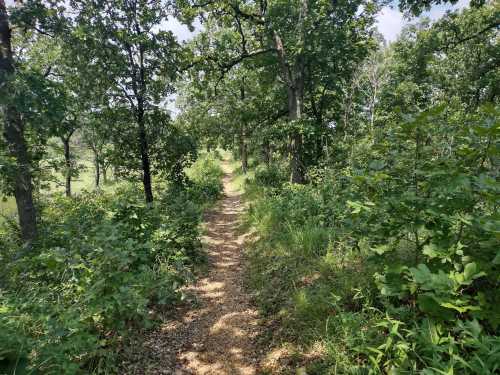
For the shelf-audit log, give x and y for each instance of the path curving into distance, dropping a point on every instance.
(216, 334)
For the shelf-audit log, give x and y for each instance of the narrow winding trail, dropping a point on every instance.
(216, 334)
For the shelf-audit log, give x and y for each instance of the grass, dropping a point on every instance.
(304, 286)
(240, 179)
(84, 181)
(7, 207)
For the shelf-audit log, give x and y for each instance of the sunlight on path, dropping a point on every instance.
(217, 335)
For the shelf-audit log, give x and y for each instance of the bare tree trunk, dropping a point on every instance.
(104, 173)
(243, 151)
(143, 145)
(97, 167)
(67, 164)
(14, 135)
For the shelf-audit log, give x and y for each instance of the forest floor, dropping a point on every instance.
(217, 331)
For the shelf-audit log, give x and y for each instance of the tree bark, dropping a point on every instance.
(294, 79)
(295, 113)
(243, 151)
(67, 164)
(143, 145)
(266, 152)
(97, 167)
(242, 140)
(104, 173)
(139, 88)
(14, 135)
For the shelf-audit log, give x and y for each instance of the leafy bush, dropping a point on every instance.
(102, 262)
(206, 178)
(270, 176)
(390, 259)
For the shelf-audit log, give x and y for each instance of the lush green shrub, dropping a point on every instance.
(394, 250)
(272, 176)
(101, 262)
(205, 177)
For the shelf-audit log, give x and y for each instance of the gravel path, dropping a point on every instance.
(216, 334)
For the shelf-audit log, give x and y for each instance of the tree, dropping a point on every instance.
(416, 7)
(130, 58)
(314, 47)
(65, 129)
(14, 134)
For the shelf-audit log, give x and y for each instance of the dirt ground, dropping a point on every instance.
(217, 332)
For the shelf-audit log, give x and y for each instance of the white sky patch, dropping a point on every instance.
(389, 23)
(390, 20)
(180, 30)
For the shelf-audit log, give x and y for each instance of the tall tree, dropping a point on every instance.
(314, 47)
(128, 52)
(14, 134)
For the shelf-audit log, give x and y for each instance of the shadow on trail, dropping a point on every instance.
(216, 334)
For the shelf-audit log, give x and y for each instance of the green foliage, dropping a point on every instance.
(415, 219)
(102, 264)
(270, 176)
(206, 178)
(388, 258)
(303, 277)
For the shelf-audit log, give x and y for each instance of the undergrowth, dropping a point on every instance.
(103, 263)
(386, 262)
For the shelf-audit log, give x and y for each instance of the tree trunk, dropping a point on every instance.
(296, 102)
(243, 144)
(104, 173)
(373, 103)
(295, 113)
(243, 151)
(97, 167)
(14, 135)
(297, 171)
(143, 145)
(266, 152)
(294, 79)
(67, 165)
(23, 185)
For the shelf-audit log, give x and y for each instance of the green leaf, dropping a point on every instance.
(471, 272)
(496, 260)
(381, 249)
(460, 309)
(431, 251)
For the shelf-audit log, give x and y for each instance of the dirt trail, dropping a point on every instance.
(216, 334)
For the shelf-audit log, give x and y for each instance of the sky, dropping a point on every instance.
(390, 20)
